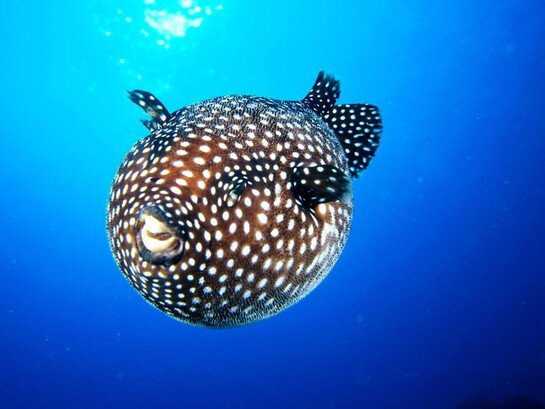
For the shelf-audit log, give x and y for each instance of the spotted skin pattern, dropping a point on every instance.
(234, 208)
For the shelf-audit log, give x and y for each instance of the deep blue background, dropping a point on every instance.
(440, 293)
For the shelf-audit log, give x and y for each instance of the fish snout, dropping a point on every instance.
(157, 240)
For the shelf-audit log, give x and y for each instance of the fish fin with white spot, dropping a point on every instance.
(323, 95)
(312, 185)
(153, 107)
(358, 127)
(150, 124)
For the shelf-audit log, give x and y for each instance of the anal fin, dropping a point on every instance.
(358, 127)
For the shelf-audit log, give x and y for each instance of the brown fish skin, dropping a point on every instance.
(235, 208)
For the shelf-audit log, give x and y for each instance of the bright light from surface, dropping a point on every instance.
(175, 19)
(138, 31)
(163, 20)
(170, 24)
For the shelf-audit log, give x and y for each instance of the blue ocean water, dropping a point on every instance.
(439, 295)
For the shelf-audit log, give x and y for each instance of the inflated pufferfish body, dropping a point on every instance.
(235, 208)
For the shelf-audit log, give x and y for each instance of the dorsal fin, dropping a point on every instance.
(153, 107)
(323, 95)
(358, 127)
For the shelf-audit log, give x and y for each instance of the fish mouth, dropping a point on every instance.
(157, 241)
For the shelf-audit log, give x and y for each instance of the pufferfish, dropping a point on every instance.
(237, 207)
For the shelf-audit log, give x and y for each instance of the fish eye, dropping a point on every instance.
(156, 241)
(235, 188)
(234, 194)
